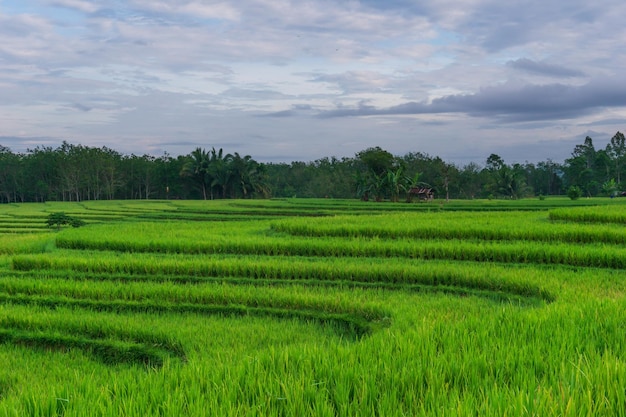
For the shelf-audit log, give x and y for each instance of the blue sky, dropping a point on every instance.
(298, 80)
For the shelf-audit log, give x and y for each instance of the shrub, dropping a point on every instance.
(60, 219)
(574, 192)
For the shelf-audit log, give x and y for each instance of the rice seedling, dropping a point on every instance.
(251, 308)
(602, 214)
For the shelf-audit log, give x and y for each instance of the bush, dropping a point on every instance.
(60, 219)
(574, 192)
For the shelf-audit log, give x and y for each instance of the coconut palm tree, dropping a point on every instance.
(197, 168)
(247, 176)
(219, 171)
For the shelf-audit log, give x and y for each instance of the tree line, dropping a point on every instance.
(77, 173)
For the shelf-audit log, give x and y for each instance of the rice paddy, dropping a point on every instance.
(314, 308)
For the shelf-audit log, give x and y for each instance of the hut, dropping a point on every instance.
(422, 193)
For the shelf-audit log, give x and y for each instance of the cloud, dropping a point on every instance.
(544, 68)
(356, 81)
(606, 122)
(143, 74)
(497, 26)
(218, 10)
(243, 93)
(80, 5)
(296, 110)
(510, 103)
(82, 107)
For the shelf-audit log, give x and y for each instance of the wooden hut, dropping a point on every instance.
(422, 193)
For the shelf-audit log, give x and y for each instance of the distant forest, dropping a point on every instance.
(76, 173)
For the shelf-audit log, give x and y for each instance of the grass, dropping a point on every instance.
(314, 308)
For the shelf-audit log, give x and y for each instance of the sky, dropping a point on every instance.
(300, 80)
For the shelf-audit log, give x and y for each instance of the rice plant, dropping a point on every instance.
(314, 308)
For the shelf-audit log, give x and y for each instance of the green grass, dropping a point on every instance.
(314, 308)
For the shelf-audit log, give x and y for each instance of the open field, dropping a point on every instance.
(314, 308)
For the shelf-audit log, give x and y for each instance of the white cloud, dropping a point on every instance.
(220, 10)
(80, 5)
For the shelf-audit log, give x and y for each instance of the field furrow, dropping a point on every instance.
(313, 308)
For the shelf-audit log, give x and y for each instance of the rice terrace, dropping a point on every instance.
(314, 307)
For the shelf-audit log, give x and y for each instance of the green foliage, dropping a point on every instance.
(330, 307)
(608, 214)
(61, 219)
(610, 188)
(225, 176)
(574, 192)
(376, 160)
(101, 348)
(81, 173)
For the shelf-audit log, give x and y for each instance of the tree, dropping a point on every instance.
(197, 168)
(586, 151)
(546, 177)
(76, 172)
(10, 174)
(73, 170)
(495, 163)
(376, 160)
(505, 180)
(616, 150)
(379, 187)
(258, 176)
(582, 169)
(42, 182)
(471, 179)
(574, 192)
(374, 165)
(245, 176)
(102, 176)
(331, 177)
(446, 174)
(413, 182)
(136, 176)
(60, 219)
(396, 183)
(516, 182)
(220, 171)
(166, 176)
(363, 186)
(610, 188)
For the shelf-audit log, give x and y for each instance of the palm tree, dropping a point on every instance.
(229, 175)
(259, 181)
(197, 168)
(238, 170)
(219, 171)
(247, 176)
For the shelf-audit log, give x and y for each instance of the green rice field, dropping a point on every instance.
(305, 307)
